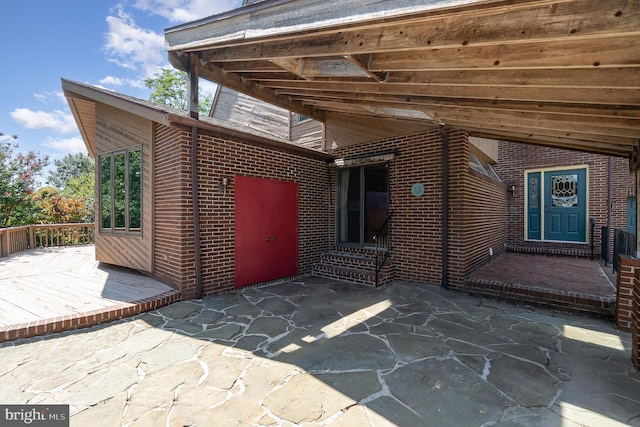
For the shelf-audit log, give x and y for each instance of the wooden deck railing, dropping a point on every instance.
(16, 239)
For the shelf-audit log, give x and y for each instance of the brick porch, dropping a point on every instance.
(568, 284)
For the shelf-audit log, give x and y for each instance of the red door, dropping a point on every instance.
(266, 230)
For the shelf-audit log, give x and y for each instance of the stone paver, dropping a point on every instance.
(317, 352)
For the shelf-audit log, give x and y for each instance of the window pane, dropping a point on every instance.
(349, 205)
(119, 190)
(564, 191)
(376, 193)
(105, 191)
(135, 192)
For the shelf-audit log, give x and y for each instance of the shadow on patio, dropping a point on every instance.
(569, 284)
(317, 352)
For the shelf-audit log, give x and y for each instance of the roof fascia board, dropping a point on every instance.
(78, 90)
(114, 100)
(279, 17)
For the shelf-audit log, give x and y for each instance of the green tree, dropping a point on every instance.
(169, 87)
(18, 173)
(56, 208)
(71, 166)
(83, 187)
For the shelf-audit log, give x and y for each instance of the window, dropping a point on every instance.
(300, 118)
(478, 164)
(121, 191)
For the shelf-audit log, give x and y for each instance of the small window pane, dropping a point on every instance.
(105, 184)
(119, 188)
(135, 193)
(534, 193)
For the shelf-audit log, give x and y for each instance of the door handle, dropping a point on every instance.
(267, 239)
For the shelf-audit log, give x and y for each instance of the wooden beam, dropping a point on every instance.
(362, 62)
(292, 65)
(569, 124)
(572, 123)
(524, 22)
(543, 133)
(614, 51)
(613, 96)
(602, 145)
(235, 82)
(593, 77)
(251, 67)
(595, 112)
(589, 147)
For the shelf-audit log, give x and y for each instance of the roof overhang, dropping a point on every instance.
(561, 73)
(83, 98)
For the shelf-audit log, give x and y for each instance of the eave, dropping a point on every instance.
(562, 73)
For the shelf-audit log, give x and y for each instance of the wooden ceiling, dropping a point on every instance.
(560, 73)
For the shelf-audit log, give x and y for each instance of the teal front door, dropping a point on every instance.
(631, 215)
(559, 212)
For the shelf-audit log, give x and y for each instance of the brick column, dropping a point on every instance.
(627, 281)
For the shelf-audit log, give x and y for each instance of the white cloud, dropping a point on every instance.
(112, 81)
(132, 47)
(56, 120)
(178, 11)
(46, 97)
(66, 145)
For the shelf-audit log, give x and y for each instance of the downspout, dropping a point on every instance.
(445, 206)
(195, 203)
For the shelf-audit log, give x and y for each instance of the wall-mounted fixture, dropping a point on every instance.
(513, 190)
(222, 188)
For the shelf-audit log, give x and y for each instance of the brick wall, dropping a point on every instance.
(416, 226)
(626, 281)
(484, 220)
(223, 158)
(173, 221)
(628, 302)
(514, 158)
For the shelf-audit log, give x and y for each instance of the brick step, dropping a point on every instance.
(363, 277)
(349, 259)
(551, 251)
(356, 265)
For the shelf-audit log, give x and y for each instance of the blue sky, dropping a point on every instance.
(107, 43)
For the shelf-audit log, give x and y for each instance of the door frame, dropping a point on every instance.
(542, 195)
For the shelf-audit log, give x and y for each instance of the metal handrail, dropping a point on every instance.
(382, 237)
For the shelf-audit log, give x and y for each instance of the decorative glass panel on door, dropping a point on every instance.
(564, 191)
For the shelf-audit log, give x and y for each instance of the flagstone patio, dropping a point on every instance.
(317, 352)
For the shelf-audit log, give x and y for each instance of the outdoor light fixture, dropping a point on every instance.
(513, 190)
(223, 185)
